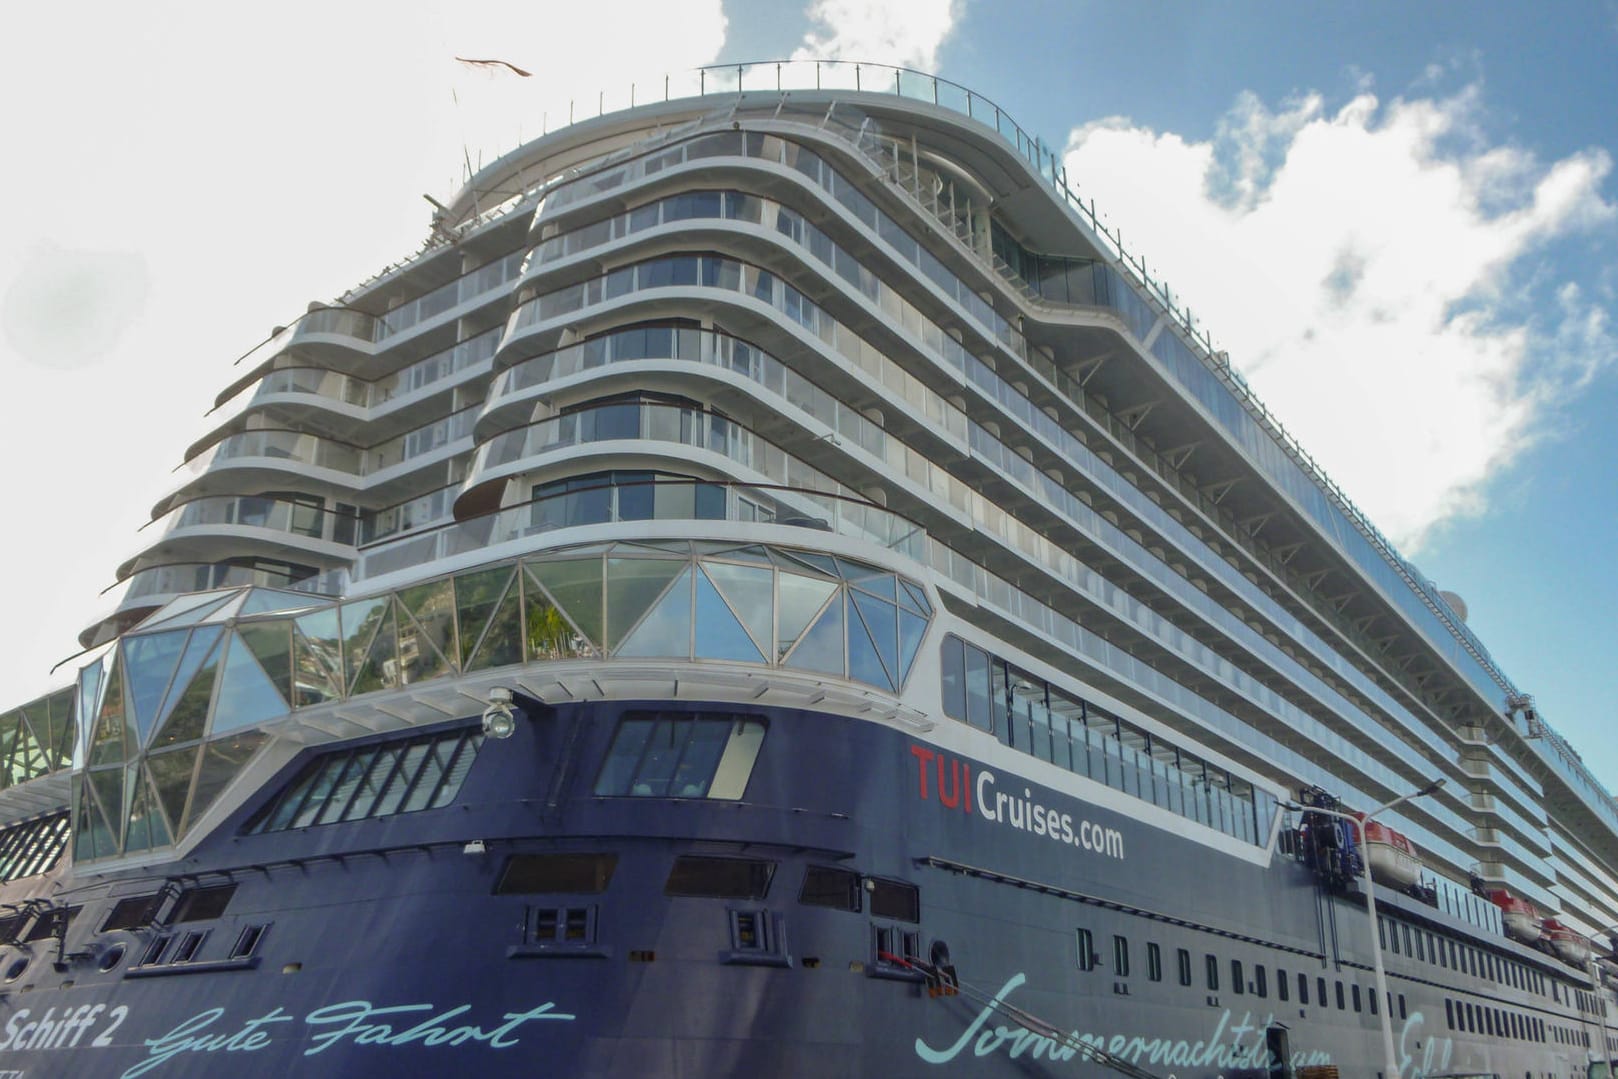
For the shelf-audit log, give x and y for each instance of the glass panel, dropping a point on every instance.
(465, 753)
(197, 650)
(548, 633)
(809, 559)
(618, 771)
(575, 585)
(188, 610)
(750, 591)
(222, 759)
(150, 660)
(380, 669)
(314, 798)
(431, 608)
(246, 695)
(633, 584)
(702, 752)
(821, 648)
(881, 622)
(107, 785)
(719, 635)
(426, 784)
(373, 782)
(666, 631)
(354, 769)
(137, 825)
(912, 628)
(662, 756)
(318, 658)
(914, 597)
(502, 639)
(864, 662)
(269, 601)
(107, 743)
(171, 772)
(360, 622)
(736, 764)
(188, 713)
(802, 598)
(160, 833)
(271, 645)
(399, 785)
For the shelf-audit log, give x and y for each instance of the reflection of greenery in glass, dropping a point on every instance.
(502, 640)
(633, 584)
(427, 630)
(107, 744)
(186, 718)
(360, 621)
(171, 771)
(380, 668)
(575, 584)
(271, 645)
(549, 634)
(315, 663)
(476, 596)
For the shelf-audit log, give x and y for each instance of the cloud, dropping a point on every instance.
(1380, 274)
(68, 308)
(907, 33)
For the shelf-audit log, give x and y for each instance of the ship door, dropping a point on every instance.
(1275, 1040)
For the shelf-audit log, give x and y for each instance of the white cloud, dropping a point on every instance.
(907, 33)
(1375, 284)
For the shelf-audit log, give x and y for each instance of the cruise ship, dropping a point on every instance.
(772, 588)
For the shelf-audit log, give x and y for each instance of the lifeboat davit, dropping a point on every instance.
(1570, 947)
(1393, 858)
(1520, 917)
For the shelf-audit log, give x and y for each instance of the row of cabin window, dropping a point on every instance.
(1349, 997)
(1399, 938)
(1471, 1018)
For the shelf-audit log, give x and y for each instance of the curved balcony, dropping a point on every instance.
(650, 500)
(274, 453)
(151, 588)
(280, 526)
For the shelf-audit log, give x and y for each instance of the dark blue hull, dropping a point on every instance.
(386, 947)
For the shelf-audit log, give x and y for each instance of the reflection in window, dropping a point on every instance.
(720, 878)
(32, 846)
(681, 755)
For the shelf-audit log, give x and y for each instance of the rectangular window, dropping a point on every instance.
(681, 755)
(1258, 980)
(952, 661)
(1303, 989)
(1120, 956)
(1393, 938)
(1341, 1003)
(719, 878)
(132, 913)
(1184, 958)
(537, 874)
(825, 886)
(186, 950)
(1086, 950)
(1281, 983)
(1325, 1002)
(1449, 1013)
(1238, 983)
(1154, 962)
(1213, 973)
(247, 941)
(894, 899)
(202, 904)
(1355, 995)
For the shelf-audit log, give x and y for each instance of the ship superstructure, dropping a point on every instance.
(772, 550)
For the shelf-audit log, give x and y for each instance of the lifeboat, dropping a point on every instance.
(1393, 858)
(1569, 946)
(1520, 917)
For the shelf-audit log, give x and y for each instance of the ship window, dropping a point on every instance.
(1184, 957)
(201, 904)
(1408, 949)
(189, 945)
(1212, 966)
(1393, 938)
(247, 941)
(1238, 983)
(1259, 986)
(1281, 984)
(50, 923)
(154, 951)
(1421, 947)
(1303, 989)
(719, 878)
(1120, 956)
(576, 874)
(32, 846)
(681, 755)
(825, 886)
(1154, 962)
(1354, 994)
(1449, 1013)
(1320, 986)
(895, 899)
(953, 664)
(131, 913)
(1341, 1006)
(1086, 949)
(402, 776)
(1401, 1005)
(563, 925)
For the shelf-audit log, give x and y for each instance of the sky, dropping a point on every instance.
(1400, 220)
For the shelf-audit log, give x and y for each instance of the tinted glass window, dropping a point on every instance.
(720, 878)
(527, 874)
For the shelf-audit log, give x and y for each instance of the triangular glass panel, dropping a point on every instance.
(547, 632)
(107, 788)
(750, 553)
(84, 847)
(64, 727)
(427, 630)
(575, 585)
(810, 560)
(247, 697)
(665, 546)
(107, 742)
(97, 839)
(912, 628)
(633, 585)
(185, 610)
(750, 591)
(89, 698)
(31, 757)
(227, 610)
(361, 619)
(718, 633)
(161, 836)
(197, 649)
(879, 584)
(881, 622)
(271, 601)
(380, 668)
(864, 662)
(801, 599)
(476, 596)
(222, 760)
(9, 723)
(271, 644)
(858, 571)
(666, 629)
(502, 638)
(171, 774)
(137, 829)
(187, 706)
(317, 658)
(916, 597)
(821, 648)
(149, 662)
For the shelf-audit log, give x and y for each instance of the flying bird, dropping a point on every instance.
(496, 63)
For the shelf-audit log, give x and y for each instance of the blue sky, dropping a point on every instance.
(194, 176)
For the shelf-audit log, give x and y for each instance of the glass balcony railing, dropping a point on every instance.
(300, 518)
(286, 445)
(185, 577)
(659, 500)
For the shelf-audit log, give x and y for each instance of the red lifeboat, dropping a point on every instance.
(1393, 858)
(1569, 946)
(1520, 917)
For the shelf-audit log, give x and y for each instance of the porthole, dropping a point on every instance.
(18, 966)
(111, 958)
